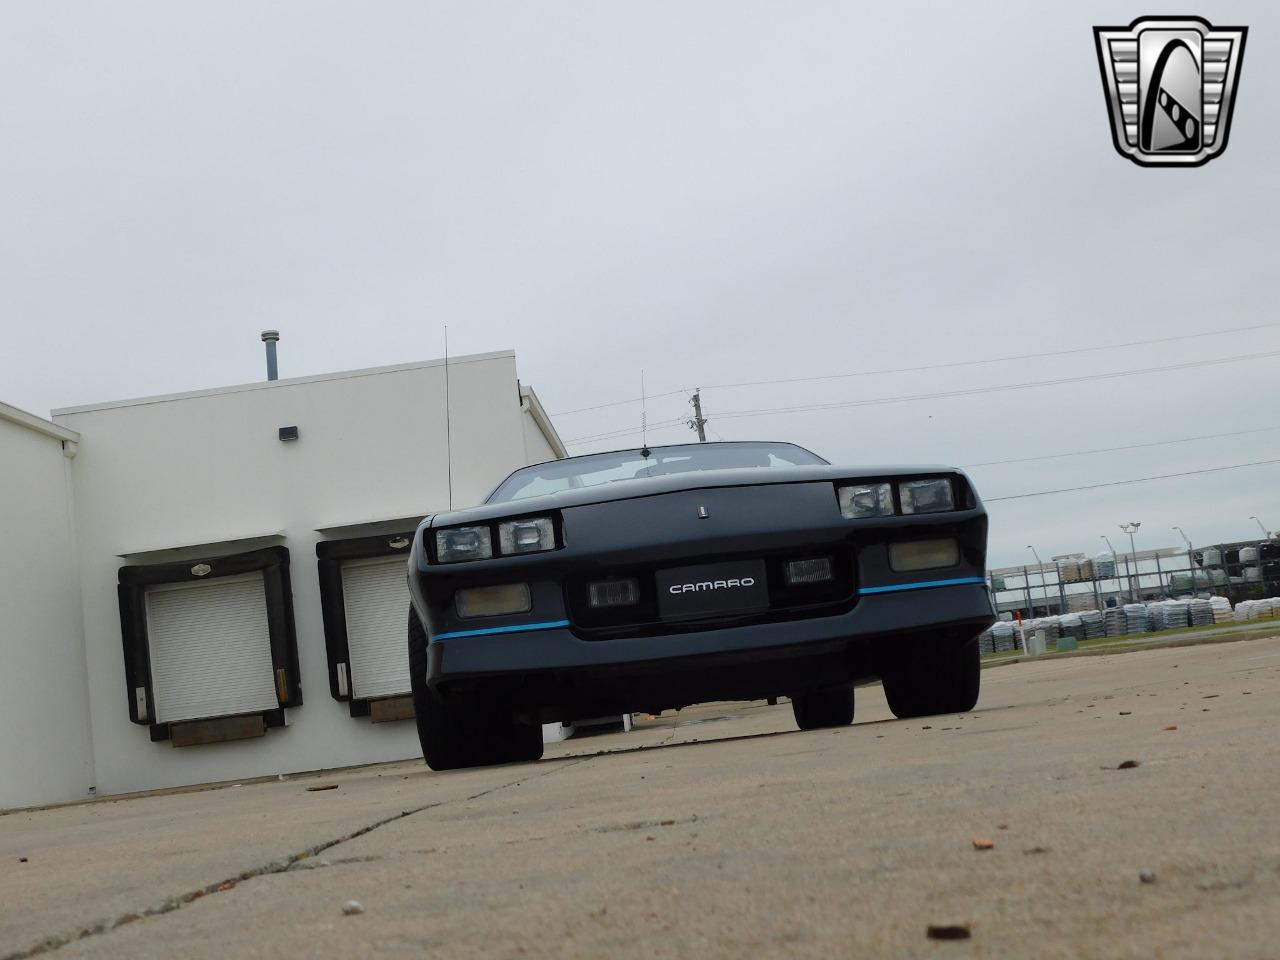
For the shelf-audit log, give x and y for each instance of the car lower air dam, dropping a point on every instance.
(497, 601)
(924, 554)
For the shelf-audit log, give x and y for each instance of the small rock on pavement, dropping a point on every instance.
(948, 931)
(352, 907)
(982, 843)
(1128, 765)
(1147, 876)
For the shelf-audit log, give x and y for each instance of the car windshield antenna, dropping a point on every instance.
(448, 421)
(644, 419)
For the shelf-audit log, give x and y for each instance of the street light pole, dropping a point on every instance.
(1114, 575)
(1044, 585)
(1191, 562)
(1130, 528)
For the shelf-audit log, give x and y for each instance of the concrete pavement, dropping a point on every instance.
(723, 833)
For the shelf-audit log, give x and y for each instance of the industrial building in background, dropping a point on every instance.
(210, 586)
(1073, 583)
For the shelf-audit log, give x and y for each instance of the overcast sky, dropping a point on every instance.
(711, 192)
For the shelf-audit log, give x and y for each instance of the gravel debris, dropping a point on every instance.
(948, 931)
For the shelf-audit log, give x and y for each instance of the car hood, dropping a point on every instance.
(655, 486)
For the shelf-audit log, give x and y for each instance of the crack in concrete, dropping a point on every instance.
(280, 865)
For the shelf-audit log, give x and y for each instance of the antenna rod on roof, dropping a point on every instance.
(644, 420)
(448, 420)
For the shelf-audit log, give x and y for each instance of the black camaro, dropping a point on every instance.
(644, 580)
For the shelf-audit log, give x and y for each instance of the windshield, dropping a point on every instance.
(595, 469)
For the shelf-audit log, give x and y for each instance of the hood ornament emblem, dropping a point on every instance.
(702, 513)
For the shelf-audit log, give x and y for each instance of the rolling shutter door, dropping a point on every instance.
(210, 648)
(376, 599)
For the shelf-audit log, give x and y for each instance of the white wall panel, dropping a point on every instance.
(45, 742)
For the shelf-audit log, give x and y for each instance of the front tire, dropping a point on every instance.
(458, 735)
(927, 676)
(830, 707)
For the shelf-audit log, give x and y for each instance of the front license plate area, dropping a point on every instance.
(712, 589)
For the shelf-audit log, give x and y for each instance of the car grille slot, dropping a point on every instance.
(786, 600)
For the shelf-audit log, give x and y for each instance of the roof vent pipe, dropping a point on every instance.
(269, 337)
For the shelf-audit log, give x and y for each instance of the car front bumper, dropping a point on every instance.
(949, 608)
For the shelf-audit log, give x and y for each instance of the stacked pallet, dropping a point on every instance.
(1136, 619)
(1202, 614)
(1095, 626)
(1117, 623)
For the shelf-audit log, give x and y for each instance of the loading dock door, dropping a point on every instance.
(210, 648)
(376, 599)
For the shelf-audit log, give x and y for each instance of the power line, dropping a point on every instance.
(1011, 357)
(936, 366)
(1122, 483)
(949, 394)
(1130, 446)
(996, 388)
(626, 431)
(619, 403)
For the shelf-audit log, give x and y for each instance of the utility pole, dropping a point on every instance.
(698, 422)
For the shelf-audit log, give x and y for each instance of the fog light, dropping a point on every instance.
(614, 593)
(924, 554)
(816, 570)
(493, 601)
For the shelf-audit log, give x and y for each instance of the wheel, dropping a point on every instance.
(525, 743)
(456, 735)
(830, 707)
(925, 676)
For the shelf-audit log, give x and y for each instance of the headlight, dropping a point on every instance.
(463, 543)
(865, 500)
(526, 536)
(926, 496)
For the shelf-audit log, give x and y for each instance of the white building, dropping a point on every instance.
(46, 749)
(210, 585)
